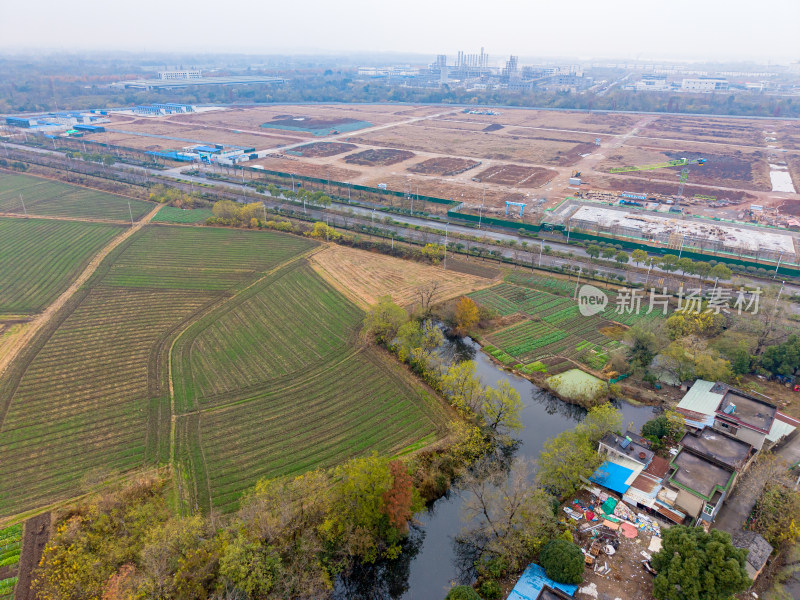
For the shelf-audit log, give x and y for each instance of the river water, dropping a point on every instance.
(429, 566)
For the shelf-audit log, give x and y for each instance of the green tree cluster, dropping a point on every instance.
(562, 561)
(570, 457)
(695, 565)
(289, 539)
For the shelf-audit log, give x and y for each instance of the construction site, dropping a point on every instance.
(656, 176)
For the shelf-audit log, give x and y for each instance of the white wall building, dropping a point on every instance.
(171, 75)
(704, 84)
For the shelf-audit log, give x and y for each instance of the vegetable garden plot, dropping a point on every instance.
(41, 257)
(555, 327)
(53, 198)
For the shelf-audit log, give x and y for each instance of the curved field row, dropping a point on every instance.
(286, 323)
(88, 395)
(53, 198)
(38, 259)
(271, 385)
(360, 408)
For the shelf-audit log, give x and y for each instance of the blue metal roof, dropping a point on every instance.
(532, 581)
(612, 476)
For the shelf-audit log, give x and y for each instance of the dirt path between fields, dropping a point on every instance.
(19, 342)
(11, 215)
(34, 538)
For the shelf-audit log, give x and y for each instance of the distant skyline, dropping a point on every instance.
(714, 30)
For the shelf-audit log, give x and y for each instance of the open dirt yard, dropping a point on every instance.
(322, 149)
(468, 192)
(364, 277)
(252, 117)
(567, 120)
(379, 157)
(475, 145)
(445, 166)
(721, 130)
(146, 136)
(516, 175)
(643, 185)
(726, 166)
(297, 166)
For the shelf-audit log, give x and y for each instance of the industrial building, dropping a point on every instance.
(55, 120)
(177, 75)
(704, 84)
(153, 84)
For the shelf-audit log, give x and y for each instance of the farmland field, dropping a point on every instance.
(43, 257)
(365, 276)
(270, 384)
(170, 214)
(551, 324)
(256, 340)
(88, 397)
(53, 198)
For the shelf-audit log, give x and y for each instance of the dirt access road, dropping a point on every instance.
(15, 345)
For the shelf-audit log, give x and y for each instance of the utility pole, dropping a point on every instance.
(646, 279)
(480, 213)
(130, 212)
(541, 251)
(445, 245)
(292, 176)
(681, 249)
(778, 266)
(577, 283)
(23, 206)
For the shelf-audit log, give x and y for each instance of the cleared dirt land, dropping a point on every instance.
(470, 144)
(725, 166)
(445, 166)
(516, 175)
(364, 277)
(378, 157)
(318, 149)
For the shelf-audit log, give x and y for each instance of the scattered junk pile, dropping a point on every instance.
(602, 522)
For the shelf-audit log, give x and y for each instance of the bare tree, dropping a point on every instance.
(427, 295)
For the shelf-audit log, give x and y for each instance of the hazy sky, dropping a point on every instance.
(666, 29)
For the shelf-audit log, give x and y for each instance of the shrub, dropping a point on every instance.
(562, 561)
(491, 590)
(462, 592)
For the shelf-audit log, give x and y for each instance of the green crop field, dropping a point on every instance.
(55, 199)
(88, 397)
(170, 214)
(39, 258)
(267, 377)
(272, 384)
